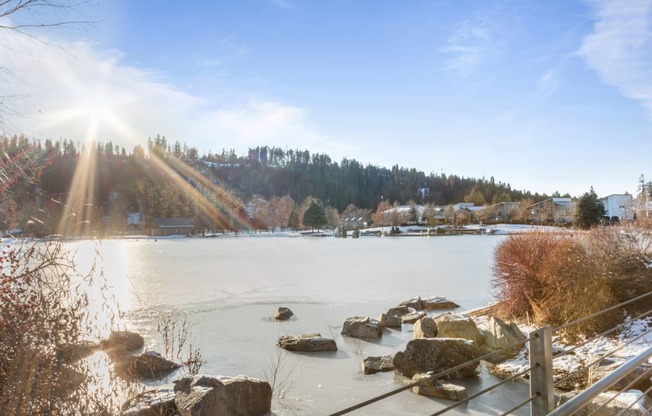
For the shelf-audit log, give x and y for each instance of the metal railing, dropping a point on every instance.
(541, 369)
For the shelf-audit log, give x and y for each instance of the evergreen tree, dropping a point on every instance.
(315, 216)
(589, 210)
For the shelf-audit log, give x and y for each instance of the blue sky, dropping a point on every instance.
(544, 95)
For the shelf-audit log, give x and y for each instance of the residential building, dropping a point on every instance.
(619, 205)
(553, 210)
(502, 211)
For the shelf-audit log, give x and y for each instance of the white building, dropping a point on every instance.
(619, 205)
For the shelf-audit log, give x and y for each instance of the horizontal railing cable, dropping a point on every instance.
(518, 406)
(583, 398)
(646, 393)
(483, 391)
(434, 376)
(609, 354)
(593, 315)
(627, 387)
(607, 332)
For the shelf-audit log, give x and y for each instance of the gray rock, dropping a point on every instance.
(307, 343)
(435, 303)
(362, 327)
(283, 314)
(222, 396)
(399, 311)
(422, 355)
(426, 327)
(123, 341)
(500, 335)
(147, 366)
(414, 303)
(373, 365)
(453, 325)
(390, 321)
(151, 403)
(435, 388)
(412, 317)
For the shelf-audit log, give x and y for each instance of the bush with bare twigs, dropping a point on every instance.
(44, 310)
(555, 279)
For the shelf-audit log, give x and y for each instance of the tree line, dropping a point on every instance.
(266, 188)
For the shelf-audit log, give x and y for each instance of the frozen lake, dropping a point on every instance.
(228, 287)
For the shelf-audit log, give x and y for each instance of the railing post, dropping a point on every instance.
(541, 384)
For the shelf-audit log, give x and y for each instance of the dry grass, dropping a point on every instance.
(557, 279)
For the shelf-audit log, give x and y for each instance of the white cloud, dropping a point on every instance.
(548, 84)
(74, 91)
(265, 123)
(620, 47)
(467, 48)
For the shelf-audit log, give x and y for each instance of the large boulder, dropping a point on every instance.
(390, 321)
(454, 325)
(414, 303)
(362, 327)
(429, 386)
(283, 314)
(412, 317)
(123, 341)
(498, 336)
(422, 355)
(222, 396)
(147, 366)
(425, 327)
(435, 303)
(399, 311)
(150, 403)
(373, 365)
(307, 343)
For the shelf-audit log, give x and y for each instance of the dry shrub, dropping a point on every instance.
(518, 262)
(557, 279)
(623, 256)
(43, 310)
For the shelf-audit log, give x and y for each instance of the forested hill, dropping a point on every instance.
(165, 180)
(268, 171)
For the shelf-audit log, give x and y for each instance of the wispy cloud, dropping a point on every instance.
(620, 47)
(267, 122)
(72, 90)
(467, 48)
(547, 84)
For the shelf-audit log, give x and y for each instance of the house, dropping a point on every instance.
(172, 226)
(553, 210)
(619, 205)
(466, 212)
(502, 211)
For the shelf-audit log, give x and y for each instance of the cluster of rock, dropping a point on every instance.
(200, 395)
(439, 343)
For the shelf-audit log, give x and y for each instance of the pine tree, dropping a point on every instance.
(589, 210)
(315, 216)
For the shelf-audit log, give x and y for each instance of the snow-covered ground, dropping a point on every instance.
(634, 338)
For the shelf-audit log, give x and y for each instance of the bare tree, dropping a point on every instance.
(22, 15)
